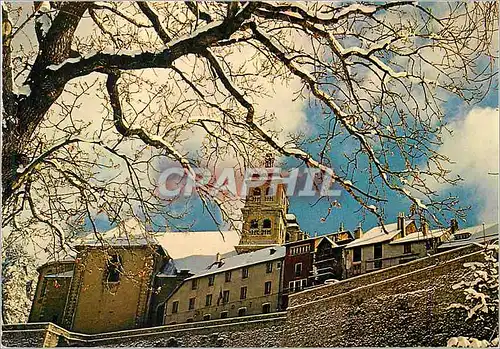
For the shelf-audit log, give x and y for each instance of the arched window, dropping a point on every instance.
(115, 268)
(256, 192)
(254, 224)
(269, 194)
(266, 223)
(287, 237)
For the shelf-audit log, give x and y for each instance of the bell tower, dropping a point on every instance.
(264, 213)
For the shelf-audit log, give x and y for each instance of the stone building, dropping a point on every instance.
(121, 280)
(401, 242)
(246, 284)
(54, 280)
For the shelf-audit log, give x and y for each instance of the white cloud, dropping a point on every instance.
(474, 148)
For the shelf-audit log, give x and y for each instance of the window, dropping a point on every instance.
(299, 250)
(211, 280)
(298, 269)
(267, 287)
(356, 254)
(254, 224)
(194, 284)
(244, 273)
(278, 265)
(225, 297)
(208, 300)
(175, 307)
(269, 267)
(206, 317)
(377, 251)
(243, 292)
(191, 303)
(114, 265)
(407, 248)
(242, 311)
(266, 223)
(296, 286)
(43, 292)
(190, 320)
(228, 276)
(223, 314)
(266, 308)
(462, 236)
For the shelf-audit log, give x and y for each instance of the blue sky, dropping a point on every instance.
(473, 126)
(309, 212)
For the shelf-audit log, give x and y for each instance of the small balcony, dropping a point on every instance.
(269, 198)
(266, 231)
(254, 231)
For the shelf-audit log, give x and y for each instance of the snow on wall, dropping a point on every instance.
(406, 310)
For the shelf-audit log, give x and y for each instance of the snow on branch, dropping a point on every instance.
(287, 151)
(342, 116)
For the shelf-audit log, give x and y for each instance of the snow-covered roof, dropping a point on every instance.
(123, 241)
(206, 243)
(327, 239)
(377, 235)
(245, 259)
(193, 264)
(348, 232)
(128, 233)
(66, 274)
(477, 236)
(66, 259)
(178, 245)
(131, 227)
(419, 236)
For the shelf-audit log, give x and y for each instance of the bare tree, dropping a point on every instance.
(378, 74)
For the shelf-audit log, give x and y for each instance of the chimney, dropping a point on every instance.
(218, 258)
(424, 226)
(453, 226)
(341, 227)
(402, 223)
(358, 232)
